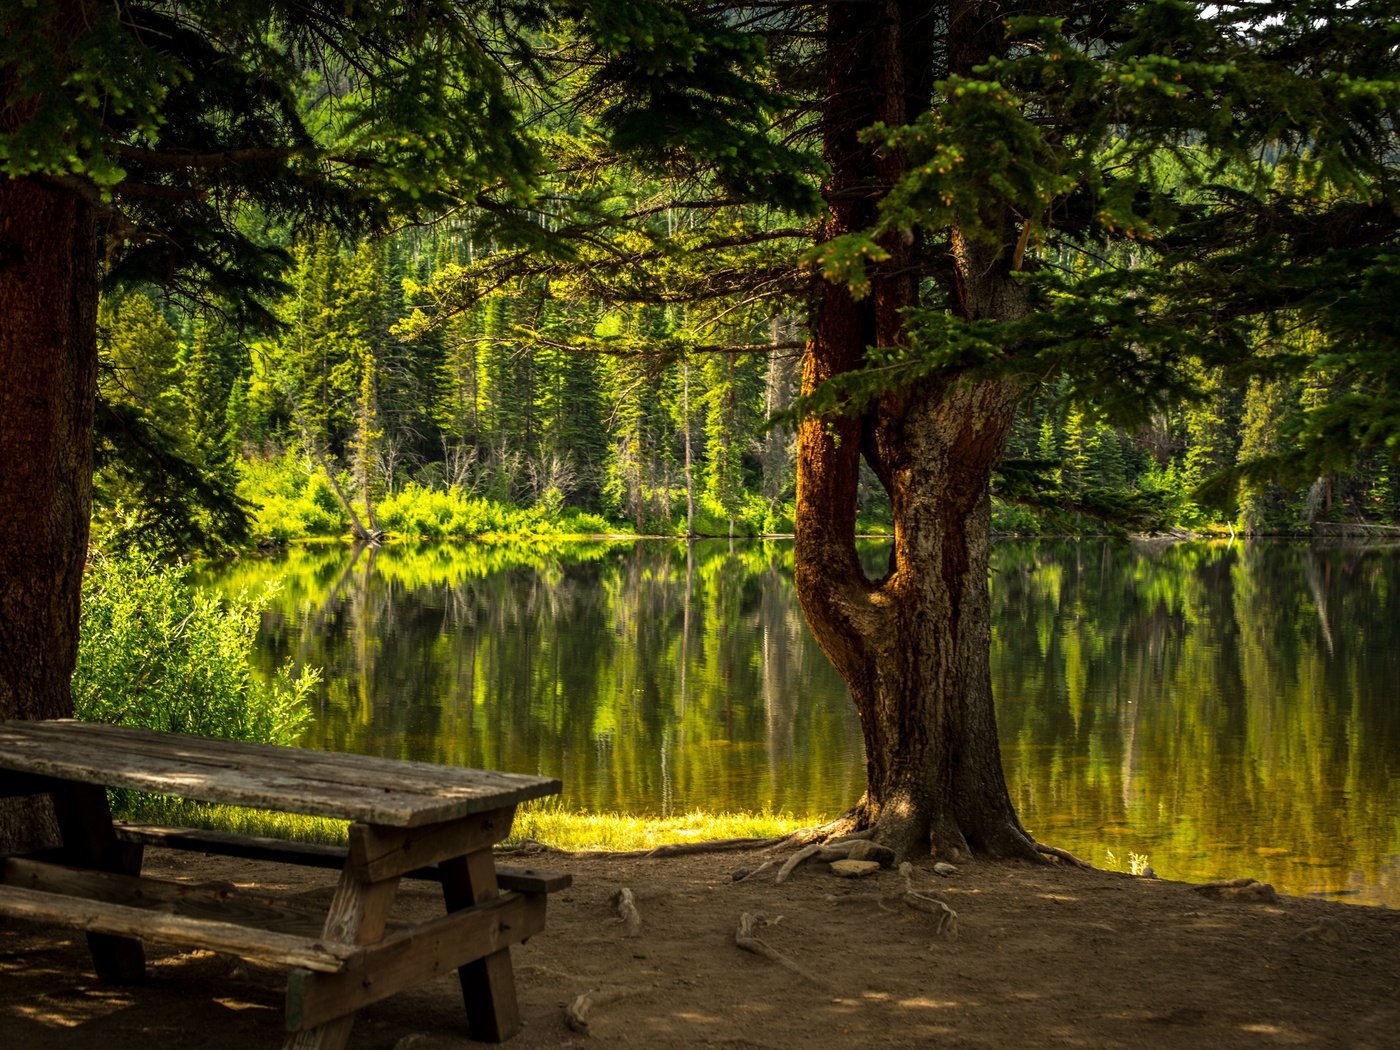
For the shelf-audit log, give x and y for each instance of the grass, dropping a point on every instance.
(546, 822)
(573, 830)
(1134, 864)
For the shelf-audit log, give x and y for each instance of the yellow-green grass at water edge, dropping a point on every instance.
(546, 822)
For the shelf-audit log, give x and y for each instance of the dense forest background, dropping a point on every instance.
(531, 411)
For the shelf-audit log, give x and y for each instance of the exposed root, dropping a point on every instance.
(843, 827)
(679, 849)
(801, 857)
(626, 905)
(683, 849)
(1063, 855)
(746, 939)
(766, 866)
(576, 1013)
(946, 919)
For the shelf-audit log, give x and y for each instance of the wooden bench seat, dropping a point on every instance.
(259, 929)
(313, 854)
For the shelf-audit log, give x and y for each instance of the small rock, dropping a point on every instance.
(864, 850)
(739, 874)
(945, 869)
(854, 869)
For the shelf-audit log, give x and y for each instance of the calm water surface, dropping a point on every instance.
(1222, 710)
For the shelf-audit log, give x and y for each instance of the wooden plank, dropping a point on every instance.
(356, 787)
(358, 914)
(217, 902)
(317, 855)
(280, 949)
(85, 827)
(378, 853)
(488, 983)
(408, 958)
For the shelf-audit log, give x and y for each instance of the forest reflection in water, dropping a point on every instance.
(1222, 709)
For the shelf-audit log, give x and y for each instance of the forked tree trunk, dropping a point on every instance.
(914, 646)
(48, 377)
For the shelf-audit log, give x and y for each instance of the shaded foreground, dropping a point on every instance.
(1044, 956)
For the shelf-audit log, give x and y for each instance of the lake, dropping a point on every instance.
(1220, 709)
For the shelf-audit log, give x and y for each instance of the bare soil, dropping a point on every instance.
(1044, 956)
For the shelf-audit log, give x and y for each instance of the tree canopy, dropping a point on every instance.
(1050, 250)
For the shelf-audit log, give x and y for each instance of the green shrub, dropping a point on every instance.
(155, 652)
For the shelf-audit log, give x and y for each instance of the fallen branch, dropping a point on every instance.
(576, 1013)
(746, 939)
(626, 905)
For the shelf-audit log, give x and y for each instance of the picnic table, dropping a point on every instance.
(409, 819)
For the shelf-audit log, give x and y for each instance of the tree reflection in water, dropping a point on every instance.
(1224, 709)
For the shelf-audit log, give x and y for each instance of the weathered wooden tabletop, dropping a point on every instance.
(380, 791)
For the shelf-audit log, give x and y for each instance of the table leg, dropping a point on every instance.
(488, 985)
(359, 912)
(85, 823)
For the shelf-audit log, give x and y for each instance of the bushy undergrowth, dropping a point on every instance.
(430, 514)
(294, 502)
(157, 653)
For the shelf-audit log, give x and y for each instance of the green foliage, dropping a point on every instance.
(163, 465)
(419, 513)
(1185, 200)
(157, 653)
(166, 115)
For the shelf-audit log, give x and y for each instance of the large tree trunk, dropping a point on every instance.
(48, 361)
(914, 646)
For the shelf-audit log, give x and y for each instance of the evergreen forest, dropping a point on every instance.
(539, 408)
(610, 340)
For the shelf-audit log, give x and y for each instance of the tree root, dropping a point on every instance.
(848, 848)
(1063, 855)
(846, 826)
(626, 905)
(746, 939)
(676, 849)
(946, 919)
(576, 1013)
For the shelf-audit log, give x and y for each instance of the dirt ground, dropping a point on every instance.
(1047, 956)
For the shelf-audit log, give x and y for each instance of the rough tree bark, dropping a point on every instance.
(914, 646)
(48, 360)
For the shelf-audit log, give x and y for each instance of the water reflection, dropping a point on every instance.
(1224, 710)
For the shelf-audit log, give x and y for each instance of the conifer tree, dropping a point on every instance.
(129, 133)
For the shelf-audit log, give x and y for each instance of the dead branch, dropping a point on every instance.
(746, 939)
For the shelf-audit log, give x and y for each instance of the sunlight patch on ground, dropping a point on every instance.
(239, 1004)
(72, 1013)
(924, 1003)
(1280, 1034)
